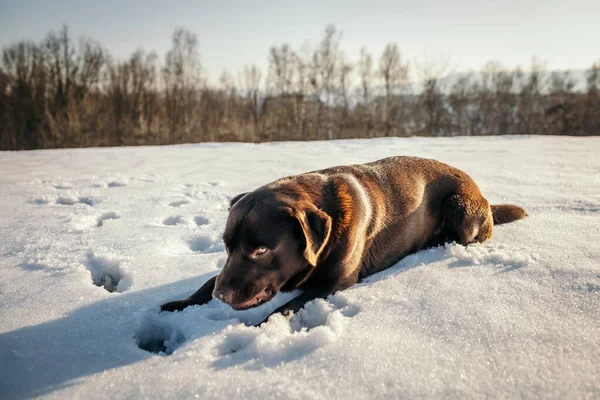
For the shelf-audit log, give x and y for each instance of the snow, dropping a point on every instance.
(92, 241)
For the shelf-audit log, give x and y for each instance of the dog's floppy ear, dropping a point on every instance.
(316, 226)
(236, 199)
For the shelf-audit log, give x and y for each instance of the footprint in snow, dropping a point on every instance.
(42, 200)
(106, 216)
(200, 220)
(178, 203)
(108, 272)
(116, 183)
(174, 220)
(110, 184)
(61, 186)
(206, 244)
(69, 200)
(159, 334)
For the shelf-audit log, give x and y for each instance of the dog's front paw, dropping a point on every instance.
(176, 305)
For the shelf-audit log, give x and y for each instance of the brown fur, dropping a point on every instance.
(322, 231)
(504, 213)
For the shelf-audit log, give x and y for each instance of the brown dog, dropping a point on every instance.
(323, 231)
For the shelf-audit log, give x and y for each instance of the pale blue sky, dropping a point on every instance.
(566, 34)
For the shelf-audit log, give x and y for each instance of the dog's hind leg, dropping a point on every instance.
(467, 217)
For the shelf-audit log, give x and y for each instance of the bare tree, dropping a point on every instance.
(280, 87)
(590, 117)
(90, 61)
(251, 86)
(302, 92)
(498, 99)
(25, 84)
(562, 108)
(593, 77)
(61, 65)
(73, 72)
(131, 88)
(63, 92)
(432, 100)
(229, 90)
(148, 71)
(281, 68)
(365, 71)
(365, 91)
(394, 74)
(5, 142)
(344, 68)
(181, 76)
(325, 61)
(462, 99)
(530, 108)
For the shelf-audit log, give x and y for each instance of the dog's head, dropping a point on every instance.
(272, 242)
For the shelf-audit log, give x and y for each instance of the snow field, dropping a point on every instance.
(92, 241)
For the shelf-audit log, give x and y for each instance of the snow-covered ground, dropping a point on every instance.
(92, 241)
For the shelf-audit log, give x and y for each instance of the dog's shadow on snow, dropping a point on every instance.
(88, 340)
(126, 328)
(422, 257)
(123, 329)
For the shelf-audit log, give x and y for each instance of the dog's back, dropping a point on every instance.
(398, 205)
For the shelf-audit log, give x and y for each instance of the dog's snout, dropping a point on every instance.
(224, 295)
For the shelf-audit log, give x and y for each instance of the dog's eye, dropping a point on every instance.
(260, 250)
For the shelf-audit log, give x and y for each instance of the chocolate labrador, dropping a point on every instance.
(325, 230)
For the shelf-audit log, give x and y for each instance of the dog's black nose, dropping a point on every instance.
(223, 294)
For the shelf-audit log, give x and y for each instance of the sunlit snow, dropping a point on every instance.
(92, 241)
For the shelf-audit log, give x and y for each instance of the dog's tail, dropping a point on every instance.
(504, 213)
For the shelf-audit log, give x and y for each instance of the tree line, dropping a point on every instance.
(62, 92)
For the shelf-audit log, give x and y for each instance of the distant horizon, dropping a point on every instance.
(232, 36)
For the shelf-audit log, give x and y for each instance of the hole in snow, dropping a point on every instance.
(68, 200)
(107, 273)
(61, 186)
(178, 203)
(41, 200)
(86, 200)
(157, 335)
(107, 216)
(206, 244)
(200, 220)
(177, 219)
(116, 184)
